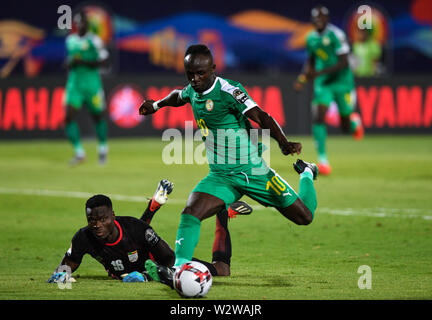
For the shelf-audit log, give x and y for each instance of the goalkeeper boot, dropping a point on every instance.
(239, 208)
(160, 273)
(301, 165)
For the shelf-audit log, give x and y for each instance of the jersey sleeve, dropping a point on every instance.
(78, 247)
(340, 43)
(145, 234)
(239, 97)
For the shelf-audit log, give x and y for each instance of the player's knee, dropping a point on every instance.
(192, 211)
(306, 218)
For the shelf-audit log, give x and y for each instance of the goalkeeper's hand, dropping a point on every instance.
(164, 188)
(135, 276)
(60, 277)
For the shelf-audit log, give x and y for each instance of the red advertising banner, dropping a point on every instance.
(32, 109)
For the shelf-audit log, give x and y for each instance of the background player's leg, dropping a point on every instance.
(199, 207)
(350, 120)
(319, 132)
(73, 134)
(102, 134)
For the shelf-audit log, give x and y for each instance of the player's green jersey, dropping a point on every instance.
(231, 145)
(89, 48)
(326, 47)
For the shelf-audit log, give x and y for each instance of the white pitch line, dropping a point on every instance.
(409, 213)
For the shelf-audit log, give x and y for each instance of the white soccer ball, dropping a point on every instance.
(192, 280)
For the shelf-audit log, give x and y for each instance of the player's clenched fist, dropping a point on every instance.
(291, 148)
(147, 107)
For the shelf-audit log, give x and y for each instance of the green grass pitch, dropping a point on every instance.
(374, 210)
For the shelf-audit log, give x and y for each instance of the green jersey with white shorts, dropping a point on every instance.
(84, 84)
(233, 150)
(325, 47)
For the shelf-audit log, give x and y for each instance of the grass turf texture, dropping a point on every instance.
(374, 210)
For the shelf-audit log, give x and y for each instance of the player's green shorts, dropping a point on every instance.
(269, 189)
(344, 97)
(92, 96)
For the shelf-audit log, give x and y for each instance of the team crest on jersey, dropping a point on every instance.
(326, 41)
(133, 256)
(84, 45)
(209, 105)
(240, 96)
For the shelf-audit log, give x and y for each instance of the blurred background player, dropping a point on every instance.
(85, 54)
(327, 64)
(366, 53)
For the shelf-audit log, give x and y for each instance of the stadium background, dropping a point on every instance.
(260, 44)
(374, 210)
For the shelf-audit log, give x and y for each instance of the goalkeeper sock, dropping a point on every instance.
(319, 132)
(188, 234)
(307, 191)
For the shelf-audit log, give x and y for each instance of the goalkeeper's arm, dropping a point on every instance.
(66, 266)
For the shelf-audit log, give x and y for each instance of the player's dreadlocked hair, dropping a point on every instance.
(98, 200)
(199, 49)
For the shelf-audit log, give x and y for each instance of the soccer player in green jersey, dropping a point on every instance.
(85, 54)
(223, 109)
(327, 65)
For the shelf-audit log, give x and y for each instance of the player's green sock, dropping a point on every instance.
(73, 134)
(307, 191)
(188, 234)
(354, 123)
(102, 131)
(319, 132)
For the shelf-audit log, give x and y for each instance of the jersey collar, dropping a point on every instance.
(120, 235)
(211, 88)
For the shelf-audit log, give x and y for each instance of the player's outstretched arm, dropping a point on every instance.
(173, 99)
(265, 121)
(65, 266)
